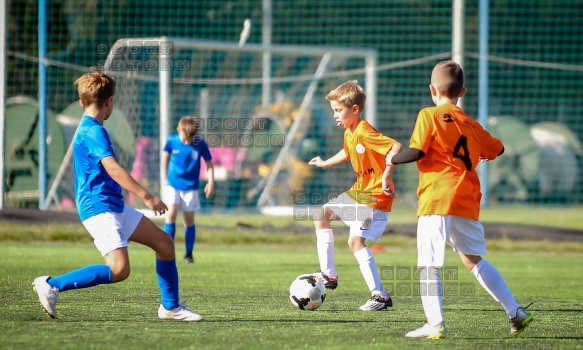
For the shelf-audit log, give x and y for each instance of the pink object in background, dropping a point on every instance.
(141, 167)
(67, 203)
(137, 171)
(223, 157)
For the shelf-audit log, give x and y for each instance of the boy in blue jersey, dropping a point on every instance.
(181, 171)
(112, 224)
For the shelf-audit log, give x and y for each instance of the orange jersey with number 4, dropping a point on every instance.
(366, 149)
(453, 143)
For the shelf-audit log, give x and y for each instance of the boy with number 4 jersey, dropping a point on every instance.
(447, 145)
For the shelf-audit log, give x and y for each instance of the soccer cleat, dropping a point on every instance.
(179, 313)
(329, 282)
(377, 303)
(428, 331)
(188, 259)
(520, 322)
(47, 295)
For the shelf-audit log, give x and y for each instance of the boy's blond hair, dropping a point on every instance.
(448, 78)
(95, 88)
(189, 125)
(348, 94)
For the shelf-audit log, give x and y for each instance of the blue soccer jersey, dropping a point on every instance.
(184, 164)
(95, 191)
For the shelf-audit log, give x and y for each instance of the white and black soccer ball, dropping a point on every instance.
(307, 292)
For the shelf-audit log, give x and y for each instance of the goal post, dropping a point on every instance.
(223, 80)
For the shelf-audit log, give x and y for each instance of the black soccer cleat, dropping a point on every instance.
(329, 282)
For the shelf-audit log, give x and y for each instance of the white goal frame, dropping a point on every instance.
(165, 78)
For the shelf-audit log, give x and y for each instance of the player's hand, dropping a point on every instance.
(209, 190)
(388, 189)
(317, 161)
(156, 205)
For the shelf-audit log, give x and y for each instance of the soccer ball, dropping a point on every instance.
(307, 292)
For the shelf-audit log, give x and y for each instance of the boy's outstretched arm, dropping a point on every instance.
(397, 148)
(336, 159)
(390, 168)
(409, 155)
(124, 179)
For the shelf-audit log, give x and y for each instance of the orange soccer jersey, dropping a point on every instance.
(366, 149)
(452, 143)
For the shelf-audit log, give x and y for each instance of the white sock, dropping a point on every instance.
(494, 283)
(325, 245)
(431, 295)
(368, 268)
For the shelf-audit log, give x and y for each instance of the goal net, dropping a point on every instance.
(262, 111)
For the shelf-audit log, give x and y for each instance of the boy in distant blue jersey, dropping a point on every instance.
(112, 224)
(181, 171)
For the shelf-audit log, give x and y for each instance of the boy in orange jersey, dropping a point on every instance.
(365, 207)
(447, 145)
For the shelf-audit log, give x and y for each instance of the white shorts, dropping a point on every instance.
(188, 200)
(434, 231)
(363, 220)
(111, 231)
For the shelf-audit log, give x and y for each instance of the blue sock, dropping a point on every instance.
(190, 238)
(168, 282)
(170, 229)
(84, 277)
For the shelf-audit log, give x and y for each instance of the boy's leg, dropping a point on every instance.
(467, 238)
(431, 289)
(189, 235)
(380, 299)
(172, 200)
(110, 238)
(369, 224)
(85, 277)
(492, 281)
(170, 221)
(48, 288)
(325, 241)
(368, 268)
(431, 237)
(190, 203)
(147, 233)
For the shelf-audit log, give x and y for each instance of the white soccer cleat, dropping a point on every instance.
(377, 303)
(179, 313)
(428, 331)
(47, 295)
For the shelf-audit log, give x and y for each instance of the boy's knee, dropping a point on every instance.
(470, 261)
(321, 218)
(119, 273)
(167, 244)
(165, 248)
(356, 243)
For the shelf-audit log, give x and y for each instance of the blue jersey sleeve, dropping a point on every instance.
(168, 146)
(98, 144)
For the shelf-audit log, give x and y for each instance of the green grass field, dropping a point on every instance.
(240, 282)
(242, 292)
